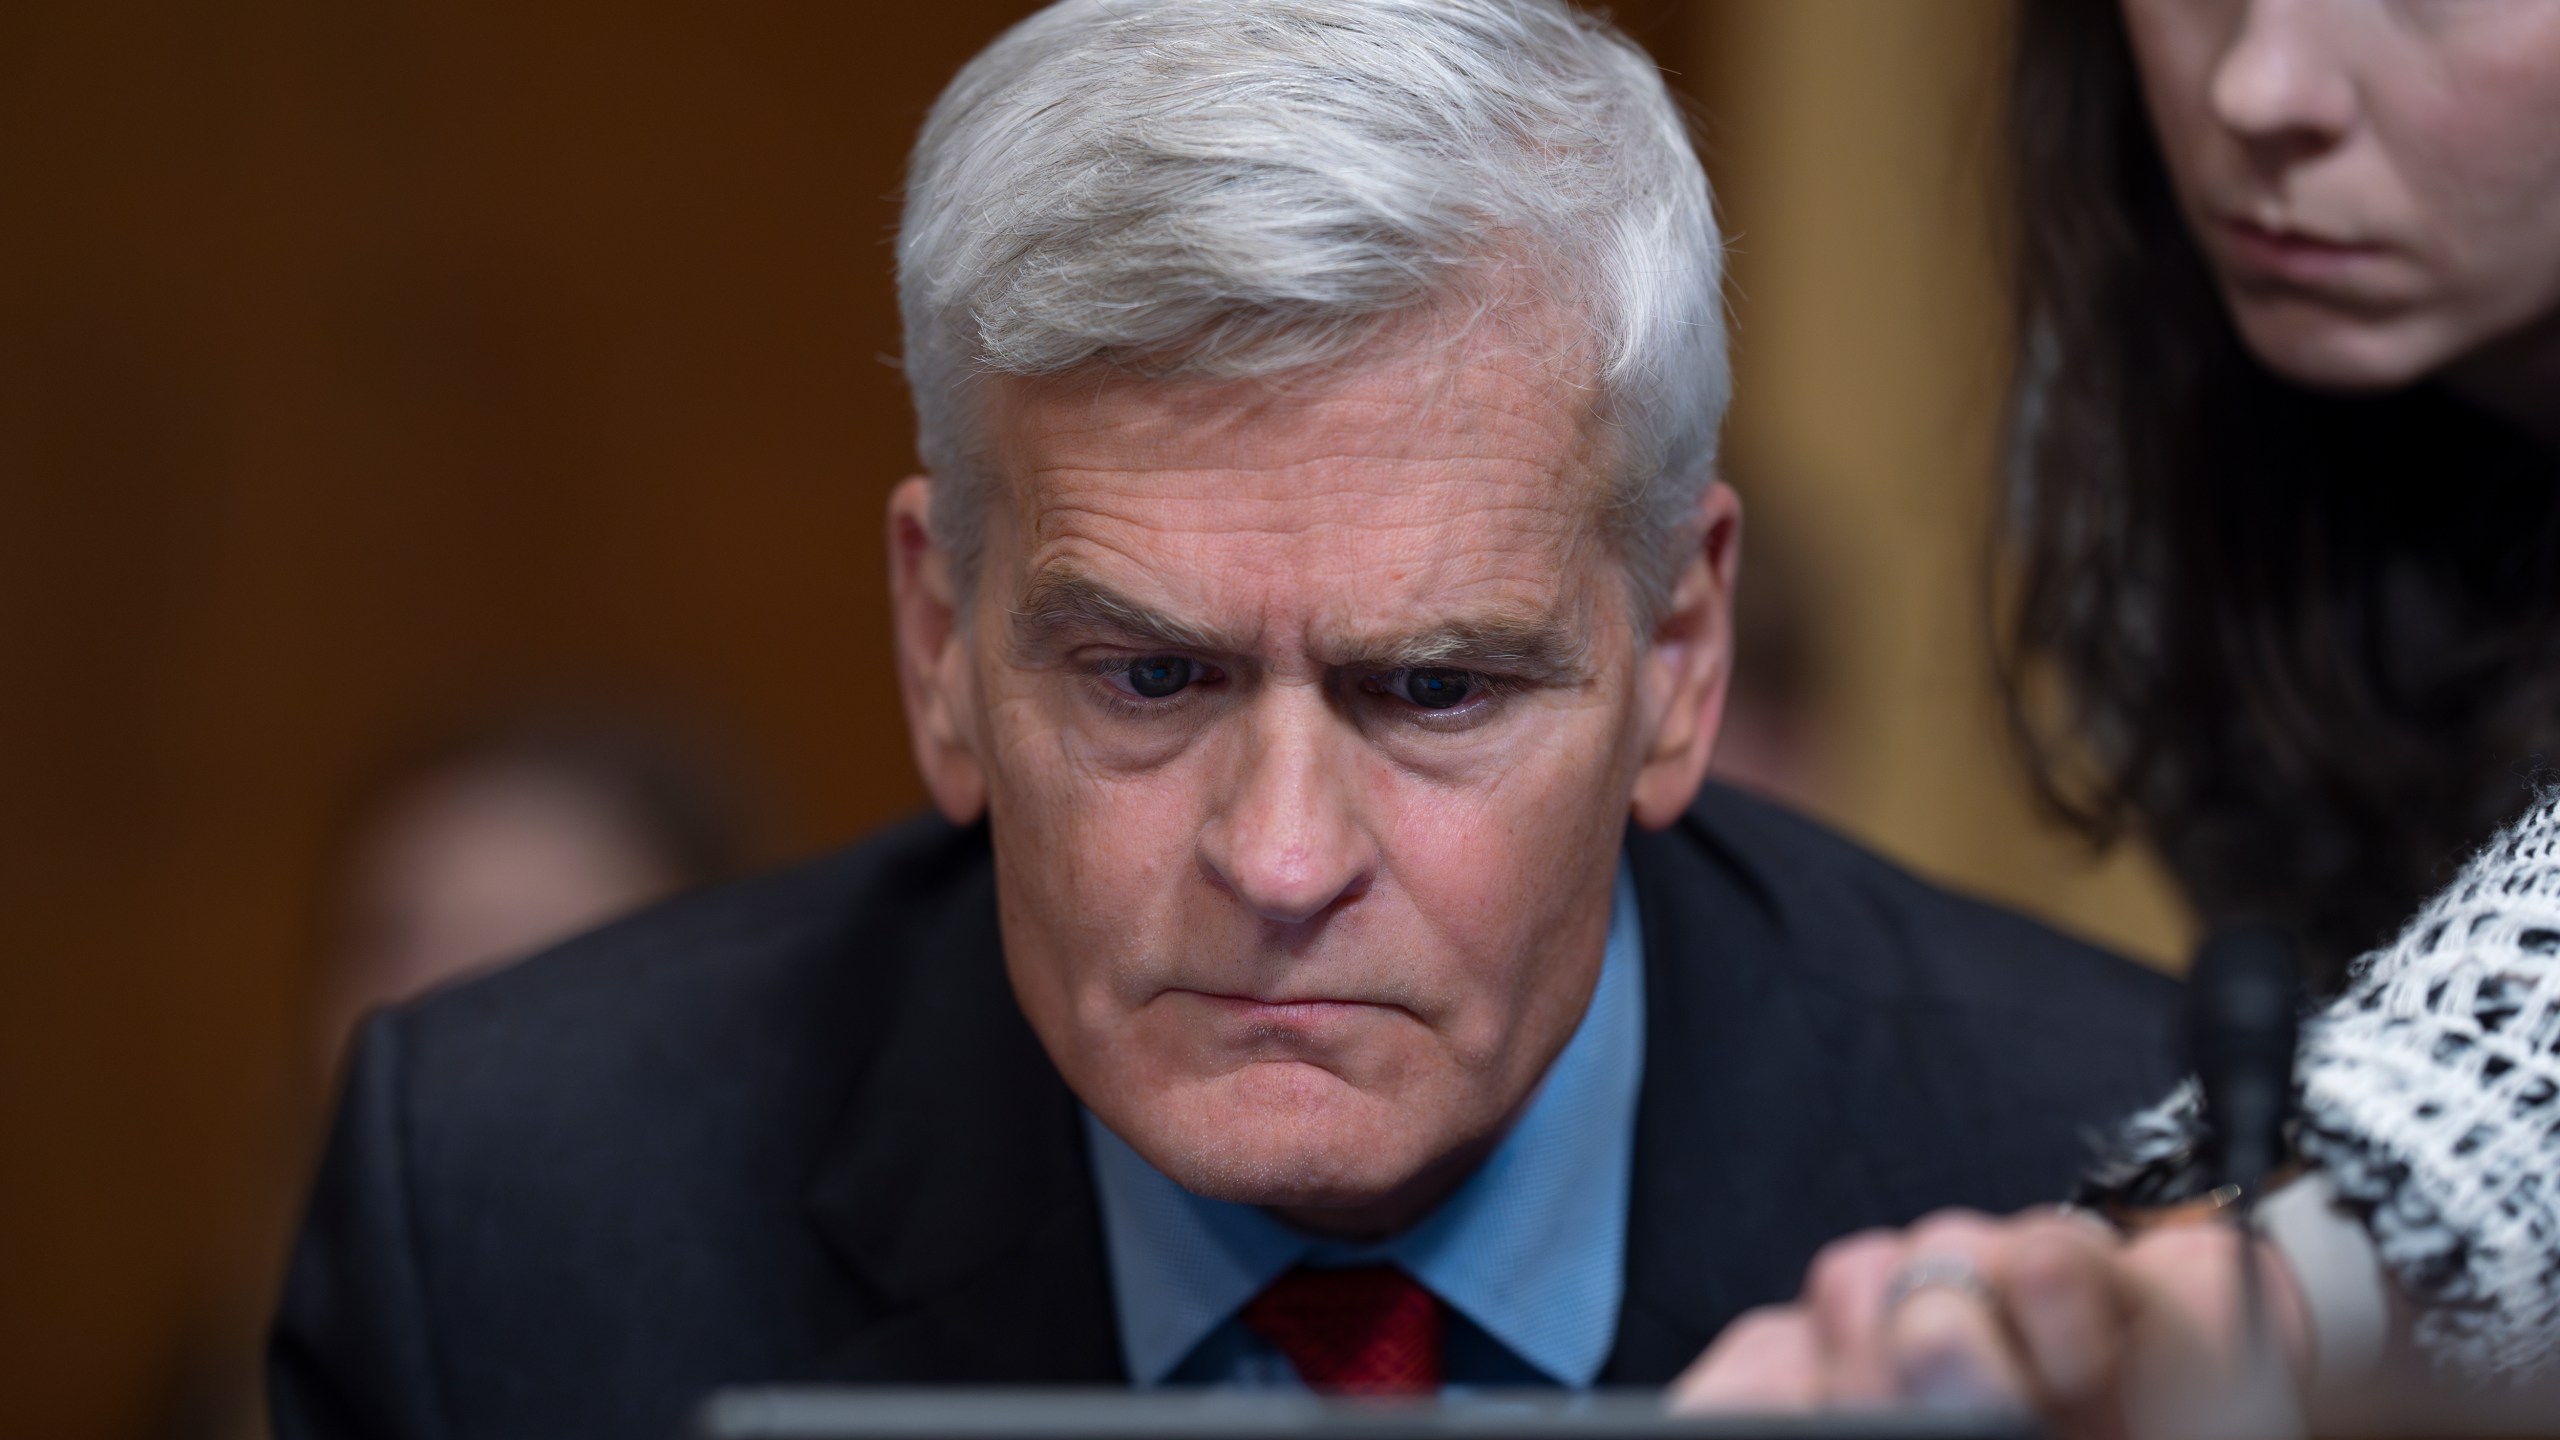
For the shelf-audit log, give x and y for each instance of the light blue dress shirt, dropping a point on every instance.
(1529, 1254)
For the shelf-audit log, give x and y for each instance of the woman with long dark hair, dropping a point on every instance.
(2286, 437)
(2285, 471)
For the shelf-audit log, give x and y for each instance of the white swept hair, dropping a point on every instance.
(1235, 188)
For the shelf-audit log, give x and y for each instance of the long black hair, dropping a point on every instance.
(2306, 644)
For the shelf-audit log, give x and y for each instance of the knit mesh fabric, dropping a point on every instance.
(2429, 1092)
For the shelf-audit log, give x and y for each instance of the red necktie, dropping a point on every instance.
(1367, 1330)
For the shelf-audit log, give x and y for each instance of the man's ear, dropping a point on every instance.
(1684, 672)
(934, 674)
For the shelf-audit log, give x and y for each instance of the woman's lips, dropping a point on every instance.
(2296, 257)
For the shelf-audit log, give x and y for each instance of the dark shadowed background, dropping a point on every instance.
(366, 367)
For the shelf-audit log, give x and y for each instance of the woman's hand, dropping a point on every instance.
(2050, 1311)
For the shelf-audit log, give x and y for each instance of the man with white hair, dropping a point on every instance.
(1325, 968)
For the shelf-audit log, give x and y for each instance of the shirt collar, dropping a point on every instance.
(1532, 1248)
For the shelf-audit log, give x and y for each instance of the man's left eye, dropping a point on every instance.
(1434, 689)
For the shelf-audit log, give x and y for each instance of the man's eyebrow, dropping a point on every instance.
(1540, 648)
(1060, 604)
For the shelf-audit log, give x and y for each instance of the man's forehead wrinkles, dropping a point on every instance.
(1335, 470)
(1485, 524)
(1261, 563)
(1448, 516)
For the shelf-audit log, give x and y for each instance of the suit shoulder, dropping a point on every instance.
(1869, 925)
(735, 991)
(1956, 1052)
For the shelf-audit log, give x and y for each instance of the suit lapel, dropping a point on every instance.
(955, 1183)
(1744, 1162)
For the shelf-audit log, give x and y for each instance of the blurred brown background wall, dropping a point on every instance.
(363, 365)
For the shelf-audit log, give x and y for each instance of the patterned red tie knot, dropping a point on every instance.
(1366, 1330)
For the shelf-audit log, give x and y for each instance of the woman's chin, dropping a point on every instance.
(2320, 348)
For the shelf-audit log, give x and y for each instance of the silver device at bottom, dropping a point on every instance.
(840, 1413)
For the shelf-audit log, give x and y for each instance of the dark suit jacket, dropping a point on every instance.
(797, 1129)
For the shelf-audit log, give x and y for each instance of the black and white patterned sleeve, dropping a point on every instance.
(2429, 1094)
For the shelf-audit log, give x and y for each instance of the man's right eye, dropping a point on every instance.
(1157, 676)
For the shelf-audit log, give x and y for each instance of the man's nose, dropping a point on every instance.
(2281, 85)
(1291, 841)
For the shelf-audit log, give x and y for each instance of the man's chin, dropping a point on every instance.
(1288, 1136)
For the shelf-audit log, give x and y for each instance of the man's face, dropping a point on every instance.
(1307, 717)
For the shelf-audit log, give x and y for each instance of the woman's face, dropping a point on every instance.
(2376, 182)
